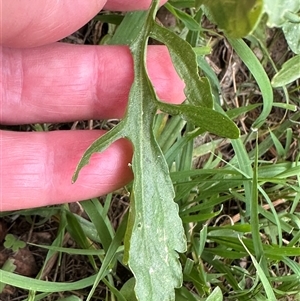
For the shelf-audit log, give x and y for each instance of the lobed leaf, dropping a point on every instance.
(154, 232)
(157, 231)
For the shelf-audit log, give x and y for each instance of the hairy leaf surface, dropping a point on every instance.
(154, 231)
(290, 31)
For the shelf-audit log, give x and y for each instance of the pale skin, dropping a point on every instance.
(46, 82)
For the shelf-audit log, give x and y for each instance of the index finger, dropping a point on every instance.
(35, 23)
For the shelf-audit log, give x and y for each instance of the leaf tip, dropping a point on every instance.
(77, 170)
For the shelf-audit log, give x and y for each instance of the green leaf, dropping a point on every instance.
(201, 51)
(44, 286)
(278, 11)
(154, 232)
(183, 3)
(77, 233)
(264, 280)
(290, 31)
(216, 295)
(199, 217)
(127, 290)
(11, 242)
(289, 72)
(109, 257)
(279, 148)
(183, 294)
(96, 252)
(254, 216)
(236, 17)
(205, 118)
(255, 67)
(71, 298)
(197, 90)
(9, 267)
(188, 21)
(155, 228)
(130, 28)
(211, 75)
(93, 211)
(110, 18)
(99, 145)
(285, 14)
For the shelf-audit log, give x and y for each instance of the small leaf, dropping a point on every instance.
(279, 148)
(11, 242)
(19, 244)
(236, 17)
(290, 31)
(277, 11)
(127, 290)
(216, 295)
(199, 51)
(289, 72)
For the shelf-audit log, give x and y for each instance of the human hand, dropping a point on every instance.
(47, 82)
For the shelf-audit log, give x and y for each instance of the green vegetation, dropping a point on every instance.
(13, 243)
(228, 229)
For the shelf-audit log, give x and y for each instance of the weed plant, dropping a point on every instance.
(238, 197)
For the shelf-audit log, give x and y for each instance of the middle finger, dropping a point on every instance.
(63, 83)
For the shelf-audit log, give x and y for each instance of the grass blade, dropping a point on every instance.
(256, 69)
(264, 280)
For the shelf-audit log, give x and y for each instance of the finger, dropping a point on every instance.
(34, 23)
(63, 82)
(37, 168)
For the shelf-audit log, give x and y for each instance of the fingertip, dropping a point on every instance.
(37, 168)
(36, 23)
